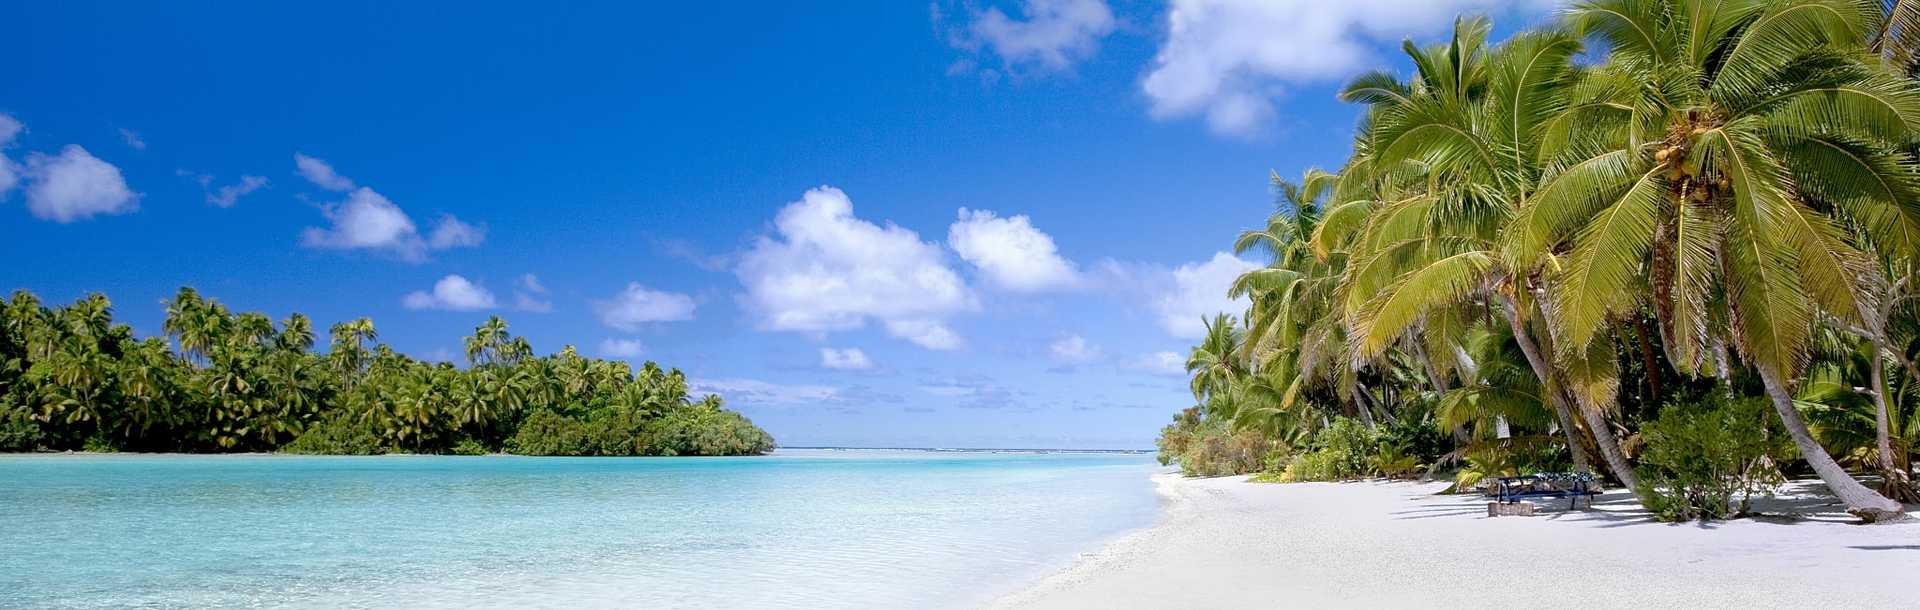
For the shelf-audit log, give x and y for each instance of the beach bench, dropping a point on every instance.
(1572, 486)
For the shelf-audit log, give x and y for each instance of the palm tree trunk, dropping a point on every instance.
(1647, 360)
(1897, 485)
(1602, 433)
(1355, 394)
(1610, 449)
(1862, 502)
(1543, 370)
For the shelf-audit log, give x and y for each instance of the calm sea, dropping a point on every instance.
(800, 528)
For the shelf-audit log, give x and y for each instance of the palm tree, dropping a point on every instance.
(1214, 364)
(1471, 123)
(1727, 120)
(347, 348)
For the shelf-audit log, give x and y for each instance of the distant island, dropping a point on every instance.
(73, 379)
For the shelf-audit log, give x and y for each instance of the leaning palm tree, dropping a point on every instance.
(1472, 122)
(1724, 124)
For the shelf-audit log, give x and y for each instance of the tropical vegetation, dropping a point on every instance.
(73, 379)
(1669, 241)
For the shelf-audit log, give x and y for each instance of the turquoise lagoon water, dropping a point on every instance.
(800, 528)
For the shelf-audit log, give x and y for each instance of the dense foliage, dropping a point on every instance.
(1706, 460)
(71, 378)
(1534, 251)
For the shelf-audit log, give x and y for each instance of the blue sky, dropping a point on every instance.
(864, 223)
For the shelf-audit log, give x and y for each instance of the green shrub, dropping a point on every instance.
(468, 446)
(699, 430)
(1210, 447)
(336, 435)
(18, 430)
(1415, 436)
(1706, 459)
(99, 443)
(1312, 466)
(1344, 450)
(549, 433)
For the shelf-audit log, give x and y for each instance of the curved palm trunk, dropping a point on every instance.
(1543, 370)
(1610, 449)
(1862, 502)
(1603, 438)
(1897, 485)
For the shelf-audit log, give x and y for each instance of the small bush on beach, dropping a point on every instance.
(1210, 447)
(1344, 450)
(1706, 459)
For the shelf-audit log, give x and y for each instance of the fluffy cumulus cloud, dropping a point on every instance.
(1073, 350)
(367, 220)
(621, 348)
(452, 293)
(530, 295)
(1048, 35)
(638, 306)
(824, 270)
(1197, 291)
(849, 359)
(1010, 252)
(74, 185)
(1227, 59)
(320, 173)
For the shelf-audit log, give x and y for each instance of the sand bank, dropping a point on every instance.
(1228, 543)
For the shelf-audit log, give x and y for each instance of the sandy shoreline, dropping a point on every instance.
(1227, 543)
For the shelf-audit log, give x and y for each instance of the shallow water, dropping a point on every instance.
(800, 528)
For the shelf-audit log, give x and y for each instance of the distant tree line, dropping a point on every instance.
(73, 379)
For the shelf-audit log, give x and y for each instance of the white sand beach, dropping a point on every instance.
(1228, 543)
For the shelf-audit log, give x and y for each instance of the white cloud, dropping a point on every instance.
(9, 174)
(228, 195)
(1197, 291)
(450, 232)
(1010, 252)
(1072, 350)
(321, 173)
(9, 129)
(366, 220)
(825, 270)
(1226, 59)
(1053, 35)
(637, 306)
(75, 186)
(1169, 364)
(849, 359)
(761, 393)
(133, 139)
(527, 293)
(532, 284)
(453, 293)
(930, 334)
(621, 348)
